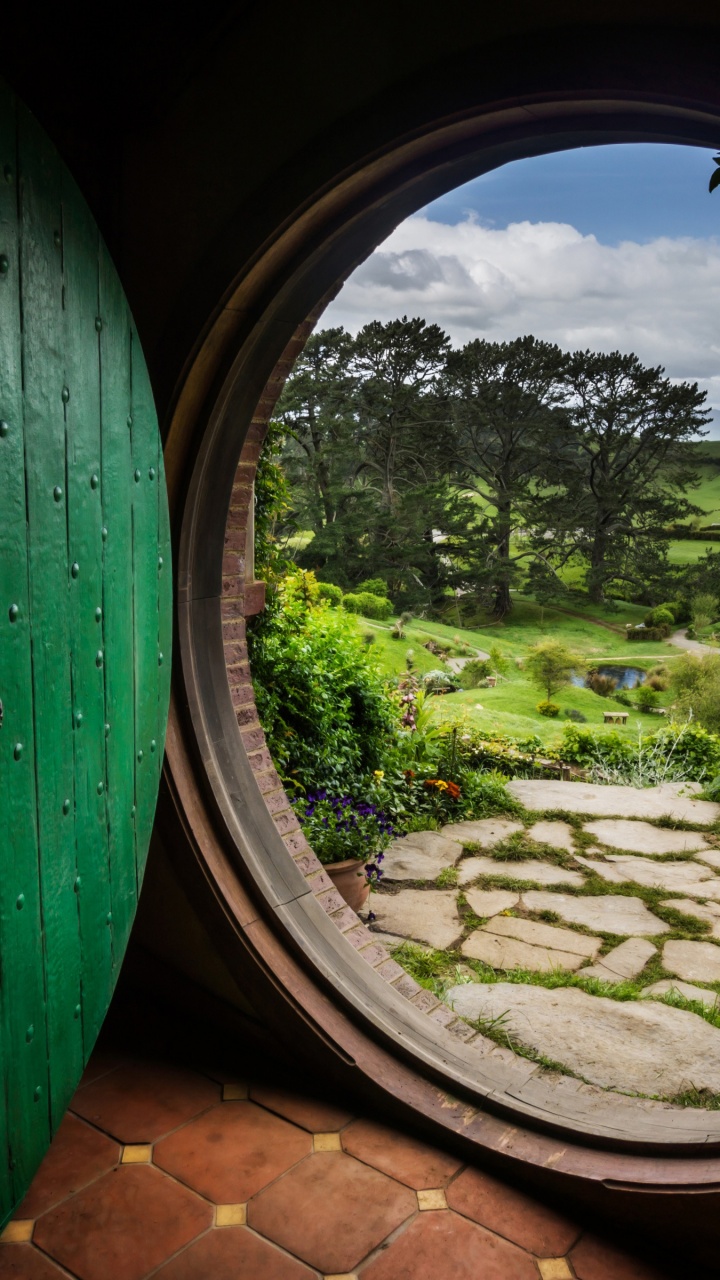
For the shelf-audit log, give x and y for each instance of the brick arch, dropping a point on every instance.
(243, 597)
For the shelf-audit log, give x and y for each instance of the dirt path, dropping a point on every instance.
(680, 640)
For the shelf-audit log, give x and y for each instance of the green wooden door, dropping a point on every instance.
(85, 635)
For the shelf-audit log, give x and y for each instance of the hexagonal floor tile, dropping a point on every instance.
(141, 1101)
(232, 1151)
(511, 1214)
(77, 1155)
(234, 1253)
(309, 1113)
(24, 1262)
(123, 1225)
(398, 1155)
(443, 1246)
(331, 1211)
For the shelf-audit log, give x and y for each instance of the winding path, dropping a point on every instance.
(680, 640)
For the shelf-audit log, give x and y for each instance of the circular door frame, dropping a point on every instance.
(254, 896)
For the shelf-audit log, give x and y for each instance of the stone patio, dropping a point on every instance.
(572, 927)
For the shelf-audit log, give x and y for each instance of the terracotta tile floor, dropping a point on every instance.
(162, 1171)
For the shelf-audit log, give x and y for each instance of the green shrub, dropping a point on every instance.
(680, 610)
(661, 616)
(571, 713)
(470, 676)
(547, 708)
(369, 605)
(697, 682)
(321, 699)
(645, 697)
(328, 591)
(375, 586)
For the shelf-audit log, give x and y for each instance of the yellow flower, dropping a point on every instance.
(378, 773)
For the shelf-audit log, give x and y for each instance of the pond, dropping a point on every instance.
(627, 677)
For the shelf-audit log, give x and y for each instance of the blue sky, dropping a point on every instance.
(607, 248)
(633, 192)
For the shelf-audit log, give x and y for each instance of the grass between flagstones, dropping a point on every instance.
(439, 970)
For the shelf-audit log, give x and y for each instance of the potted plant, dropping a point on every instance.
(349, 837)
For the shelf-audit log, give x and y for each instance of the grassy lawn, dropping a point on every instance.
(510, 706)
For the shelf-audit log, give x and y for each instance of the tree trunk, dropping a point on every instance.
(598, 566)
(502, 603)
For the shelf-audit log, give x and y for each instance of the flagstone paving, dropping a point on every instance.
(611, 913)
(532, 871)
(630, 1045)
(669, 985)
(623, 962)
(507, 942)
(638, 1046)
(490, 902)
(682, 877)
(642, 837)
(557, 834)
(421, 855)
(669, 800)
(485, 831)
(695, 961)
(425, 915)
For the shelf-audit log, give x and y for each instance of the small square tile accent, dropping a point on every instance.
(136, 1153)
(230, 1215)
(554, 1269)
(18, 1232)
(327, 1142)
(236, 1092)
(433, 1199)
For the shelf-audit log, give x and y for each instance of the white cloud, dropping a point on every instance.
(660, 300)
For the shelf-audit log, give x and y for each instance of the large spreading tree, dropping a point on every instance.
(628, 464)
(503, 402)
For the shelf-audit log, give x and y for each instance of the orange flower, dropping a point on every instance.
(453, 790)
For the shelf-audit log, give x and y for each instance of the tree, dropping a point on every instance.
(550, 665)
(504, 400)
(316, 411)
(397, 367)
(627, 463)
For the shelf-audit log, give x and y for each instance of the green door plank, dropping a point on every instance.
(164, 611)
(45, 396)
(25, 1117)
(144, 440)
(84, 465)
(84, 609)
(117, 482)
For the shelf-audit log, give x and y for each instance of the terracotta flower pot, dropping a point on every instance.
(350, 880)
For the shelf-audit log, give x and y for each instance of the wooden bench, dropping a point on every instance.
(615, 717)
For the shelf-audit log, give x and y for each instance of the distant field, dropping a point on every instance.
(511, 706)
